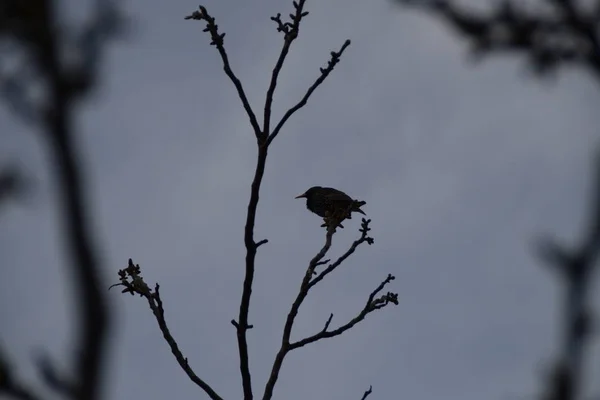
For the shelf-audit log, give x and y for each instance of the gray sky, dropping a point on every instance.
(461, 167)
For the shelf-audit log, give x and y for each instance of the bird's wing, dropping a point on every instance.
(337, 195)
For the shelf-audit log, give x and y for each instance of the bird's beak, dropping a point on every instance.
(300, 196)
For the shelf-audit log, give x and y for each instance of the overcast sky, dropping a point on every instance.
(461, 166)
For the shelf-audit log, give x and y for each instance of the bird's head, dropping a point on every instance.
(309, 193)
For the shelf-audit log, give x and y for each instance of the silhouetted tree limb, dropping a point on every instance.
(364, 237)
(335, 58)
(567, 34)
(217, 40)
(264, 138)
(371, 305)
(33, 27)
(132, 281)
(290, 30)
(129, 278)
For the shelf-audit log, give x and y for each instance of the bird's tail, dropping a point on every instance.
(357, 205)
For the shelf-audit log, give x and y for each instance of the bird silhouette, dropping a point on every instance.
(329, 203)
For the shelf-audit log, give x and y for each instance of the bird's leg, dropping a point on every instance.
(332, 219)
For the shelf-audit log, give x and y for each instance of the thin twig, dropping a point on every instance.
(217, 41)
(367, 393)
(130, 278)
(335, 58)
(291, 29)
(371, 305)
(364, 237)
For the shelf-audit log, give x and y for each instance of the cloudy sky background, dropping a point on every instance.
(462, 167)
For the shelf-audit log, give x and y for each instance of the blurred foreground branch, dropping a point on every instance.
(556, 33)
(12, 183)
(575, 268)
(36, 39)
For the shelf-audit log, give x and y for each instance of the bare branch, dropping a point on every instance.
(371, 305)
(130, 278)
(287, 330)
(364, 237)
(264, 138)
(335, 58)
(217, 41)
(291, 30)
(251, 247)
(33, 30)
(242, 324)
(328, 322)
(550, 40)
(367, 393)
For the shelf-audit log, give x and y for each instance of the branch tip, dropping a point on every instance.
(367, 392)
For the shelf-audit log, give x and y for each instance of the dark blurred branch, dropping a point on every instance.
(566, 35)
(59, 384)
(12, 183)
(33, 27)
(131, 279)
(576, 268)
(10, 386)
(93, 312)
(371, 305)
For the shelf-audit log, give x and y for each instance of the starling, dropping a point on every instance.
(331, 203)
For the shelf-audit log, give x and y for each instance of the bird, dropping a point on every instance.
(328, 202)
